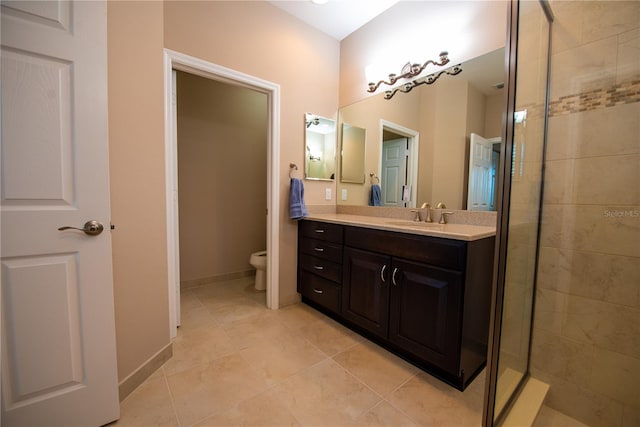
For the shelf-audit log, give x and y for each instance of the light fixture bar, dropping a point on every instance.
(426, 80)
(410, 70)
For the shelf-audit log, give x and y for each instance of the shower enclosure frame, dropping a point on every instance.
(502, 232)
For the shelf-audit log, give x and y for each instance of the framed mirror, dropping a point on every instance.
(353, 154)
(320, 148)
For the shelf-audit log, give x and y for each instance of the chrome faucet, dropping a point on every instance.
(428, 207)
(443, 217)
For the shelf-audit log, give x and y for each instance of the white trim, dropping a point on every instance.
(414, 144)
(179, 61)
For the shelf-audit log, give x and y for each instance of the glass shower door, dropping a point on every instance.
(519, 221)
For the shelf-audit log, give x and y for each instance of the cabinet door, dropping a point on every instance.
(425, 312)
(365, 290)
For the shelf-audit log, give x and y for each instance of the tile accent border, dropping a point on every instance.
(623, 93)
(185, 284)
(147, 369)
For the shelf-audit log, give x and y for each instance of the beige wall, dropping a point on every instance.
(261, 40)
(222, 176)
(494, 112)
(252, 37)
(449, 142)
(417, 31)
(136, 156)
(586, 341)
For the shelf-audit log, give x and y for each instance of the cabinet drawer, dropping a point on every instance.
(446, 253)
(321, 249)
(327, 269)
(320, 291)
(321, 231)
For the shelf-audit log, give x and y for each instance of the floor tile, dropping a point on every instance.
(278, 358)
(213, 388)
(237, 363)
(148, 405)
(376, 367)
(255, 329)
(430, 402)
(298, 316)
(238, 309)
(326, 395)
(198, 346)
(329, 336)
(382, 415)
(262, 410)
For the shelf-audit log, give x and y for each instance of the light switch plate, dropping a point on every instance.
(344, 194)
(327, 194)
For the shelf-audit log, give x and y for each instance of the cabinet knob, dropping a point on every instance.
(318, 249)
(318, 267)
(384, 267)
(319, 230)
(318, 291)
(393, 276)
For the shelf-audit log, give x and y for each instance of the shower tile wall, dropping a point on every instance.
(586, 341)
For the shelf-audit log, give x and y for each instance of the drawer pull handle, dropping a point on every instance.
(318, 267)
(319, 230)
(393, 276)
(384, 267)
(318, 291)
(318, 249)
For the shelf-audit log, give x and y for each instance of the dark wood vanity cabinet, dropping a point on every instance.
(365, 290)
(425, 298)
(320, 264)
(425, 302)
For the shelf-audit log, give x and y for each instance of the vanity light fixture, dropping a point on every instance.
(410, 70)
(312, 121)
(426, 80)
(319, 1)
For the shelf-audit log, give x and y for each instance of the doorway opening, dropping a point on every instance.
(398, 165)
(177, 61)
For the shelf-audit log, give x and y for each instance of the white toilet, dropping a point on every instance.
(259, 261)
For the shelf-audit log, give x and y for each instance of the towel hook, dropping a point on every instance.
(292, 166)
(374, 176)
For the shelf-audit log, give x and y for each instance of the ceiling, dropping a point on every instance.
(337, 18)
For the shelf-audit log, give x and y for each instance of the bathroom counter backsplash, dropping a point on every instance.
(462, 225)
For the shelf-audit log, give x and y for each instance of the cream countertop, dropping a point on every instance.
(465, 232)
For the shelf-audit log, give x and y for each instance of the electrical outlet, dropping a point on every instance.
(344, 194)
(327, 194)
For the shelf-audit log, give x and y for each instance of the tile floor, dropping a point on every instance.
(237, 363)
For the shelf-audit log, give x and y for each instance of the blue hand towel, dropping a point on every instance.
(375, 198)
(297, 208)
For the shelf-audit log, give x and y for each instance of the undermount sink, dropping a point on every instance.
(419, 224)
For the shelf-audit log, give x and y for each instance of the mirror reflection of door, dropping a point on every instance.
(395, 155)
(483, 164)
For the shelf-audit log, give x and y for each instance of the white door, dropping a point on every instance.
(394, 171)
(58, 328)
(481, 178)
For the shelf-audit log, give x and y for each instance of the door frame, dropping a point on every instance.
(182, 62)
(412, 165)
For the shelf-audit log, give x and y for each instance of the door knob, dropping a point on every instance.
(92, 228)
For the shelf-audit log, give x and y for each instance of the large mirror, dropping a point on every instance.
(320, 148)
(420, 142)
